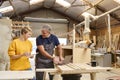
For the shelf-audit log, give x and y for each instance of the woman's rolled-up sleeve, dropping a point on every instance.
(11, 49)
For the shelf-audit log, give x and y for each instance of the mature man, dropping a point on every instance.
(46, 43)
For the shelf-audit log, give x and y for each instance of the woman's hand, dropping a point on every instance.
(29, 55)
(32, 56)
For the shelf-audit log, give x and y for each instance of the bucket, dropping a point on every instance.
(71, 76)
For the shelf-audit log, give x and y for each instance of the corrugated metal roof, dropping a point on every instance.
(76, 8)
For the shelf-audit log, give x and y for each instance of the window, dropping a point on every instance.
(63, 3)
(118, 1)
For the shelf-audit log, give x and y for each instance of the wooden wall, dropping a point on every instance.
(114, 30)
(103, 38)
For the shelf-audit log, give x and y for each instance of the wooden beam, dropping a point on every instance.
(113, 15)
(89, 3)
(91, 6)
(53, 70)
(73, 1)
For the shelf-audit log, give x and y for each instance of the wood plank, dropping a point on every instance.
(93, 76)
(66, 47)
(16, 75)
(83, 66)
(81, 55)
(118, 46)
(65, 69)
(73, 66)
(47, 70)
(78, 66)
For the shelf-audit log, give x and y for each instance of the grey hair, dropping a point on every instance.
(47, 27)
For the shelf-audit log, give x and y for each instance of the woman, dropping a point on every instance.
(20, 51)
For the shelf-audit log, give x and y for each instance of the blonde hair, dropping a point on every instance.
(26, 30)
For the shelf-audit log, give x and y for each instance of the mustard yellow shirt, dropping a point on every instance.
(19, 47)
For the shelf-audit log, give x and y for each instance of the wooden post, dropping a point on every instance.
(80, 55)
(73, 46)
(94, 39)
(109, 32)
(46, 76)
(73, 36)
(57, 77)
(93, 76)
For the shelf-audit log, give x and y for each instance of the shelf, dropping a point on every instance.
(67, 47)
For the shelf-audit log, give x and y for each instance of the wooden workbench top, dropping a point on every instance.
(16, 75)
(73, 68)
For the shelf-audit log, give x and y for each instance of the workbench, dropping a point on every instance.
(73, 68)
(16, 75)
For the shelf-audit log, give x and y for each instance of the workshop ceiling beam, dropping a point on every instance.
(89, 3)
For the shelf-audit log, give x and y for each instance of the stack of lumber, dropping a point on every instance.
(20, 24)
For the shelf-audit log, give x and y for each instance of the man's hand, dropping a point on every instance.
(61, 58)
(58, 60)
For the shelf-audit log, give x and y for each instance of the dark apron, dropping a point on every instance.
(43, 62)
(42, 59)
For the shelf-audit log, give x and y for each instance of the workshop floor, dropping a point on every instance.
(103, 76)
